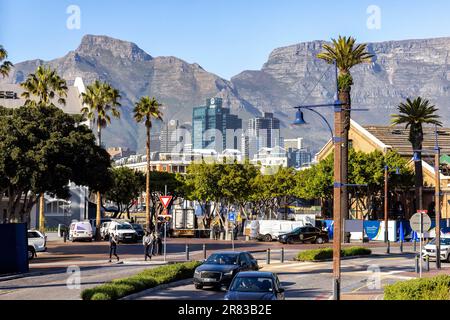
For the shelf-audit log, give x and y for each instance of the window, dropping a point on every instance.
(33, 234)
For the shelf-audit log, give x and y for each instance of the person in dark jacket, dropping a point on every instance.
(113, 240)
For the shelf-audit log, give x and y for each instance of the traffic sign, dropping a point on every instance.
(165, 200)
(232, 216)
(420, 222)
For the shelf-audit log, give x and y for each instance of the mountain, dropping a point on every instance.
(292, 76)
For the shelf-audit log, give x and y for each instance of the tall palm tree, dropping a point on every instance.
(100, 100)
(346, 54)
(5, 66)
(45, 84)
(414, 114)
(147, 109)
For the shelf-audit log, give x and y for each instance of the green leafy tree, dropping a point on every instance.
(5, 66)
(43, 149)
(147, 109)
(364, 169)
(346, 54)
(414, 114)
(127, 185)
(101, 100)
(44, 85)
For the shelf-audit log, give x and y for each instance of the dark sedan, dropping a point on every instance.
(220, 268)
(139, 230)
(304, 234)
(255, 286)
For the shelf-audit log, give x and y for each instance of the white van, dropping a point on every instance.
(123, 231)
(269, 230)
(80, 230)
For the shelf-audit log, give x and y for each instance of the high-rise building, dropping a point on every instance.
(262, 132)
(174, 137)
(296, 143)
(297, 154)
(213, 127)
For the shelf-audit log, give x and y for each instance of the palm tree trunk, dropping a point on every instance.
(418, 179)
(147, 188)
(99, 199)
(345, 98)
(41, 213)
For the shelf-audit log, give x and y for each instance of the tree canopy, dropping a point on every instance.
(42, 150)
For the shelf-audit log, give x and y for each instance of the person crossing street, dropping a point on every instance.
(113, 240)
(147, 241)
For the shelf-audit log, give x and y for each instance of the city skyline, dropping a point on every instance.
(240, 36)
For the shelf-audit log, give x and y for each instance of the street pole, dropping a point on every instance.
(437, 159)
(165, 227)
(421, 235)
(386, 206)
(337, 232)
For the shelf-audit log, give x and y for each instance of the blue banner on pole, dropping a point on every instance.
(372, 229)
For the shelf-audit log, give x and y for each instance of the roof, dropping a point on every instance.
(398, 139)
(254, 274)
(73, 100)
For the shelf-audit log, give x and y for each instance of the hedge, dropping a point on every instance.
(147, 279)
(327, 253)
(436, 288)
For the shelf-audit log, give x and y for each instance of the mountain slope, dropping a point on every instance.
(291, 76)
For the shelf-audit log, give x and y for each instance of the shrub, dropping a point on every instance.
(436, 288)
(327, 253)
(147, 279)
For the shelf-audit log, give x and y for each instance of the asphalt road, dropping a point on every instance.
(302, 281)
(313, 281)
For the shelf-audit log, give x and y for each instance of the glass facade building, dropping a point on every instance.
(212, 126)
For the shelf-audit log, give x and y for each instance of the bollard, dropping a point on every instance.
(268, 256)
(388, 249)
(282, 255)
(187, 252)
(427, 263)
(415, 245)
(401, 246)
(417, 264)
(204, 251)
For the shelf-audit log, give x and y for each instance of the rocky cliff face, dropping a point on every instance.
(292, 76)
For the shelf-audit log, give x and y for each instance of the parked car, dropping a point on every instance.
(220, 268)
(255, 286)
(123, 230)
(104, 230)
(94, 223)
(269, 230)
(37, 242)
(139, 230)
(430, 249)
(80, 230)
(304, 234)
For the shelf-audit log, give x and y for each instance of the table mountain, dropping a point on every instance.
(291, 76)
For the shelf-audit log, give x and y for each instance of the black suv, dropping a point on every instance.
(221, 267)
(304, 234)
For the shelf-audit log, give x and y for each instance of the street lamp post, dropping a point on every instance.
(337, 140)
(437, 201)
(437, 195)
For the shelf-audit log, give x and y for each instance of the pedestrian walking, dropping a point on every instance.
(147, 241)
(113, 240)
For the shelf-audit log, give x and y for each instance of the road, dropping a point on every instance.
(48, 279)
(313, 281)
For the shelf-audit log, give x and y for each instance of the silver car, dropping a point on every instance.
(37, 242)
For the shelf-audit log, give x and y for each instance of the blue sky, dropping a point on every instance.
(224, 36)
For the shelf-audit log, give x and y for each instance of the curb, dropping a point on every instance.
(19, 276)
(160, 287)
